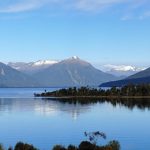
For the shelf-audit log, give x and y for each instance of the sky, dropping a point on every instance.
(100, 31)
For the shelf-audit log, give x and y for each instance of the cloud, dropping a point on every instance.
(85, 5)
(144, 15)
(126, 17)
(25, 5)
(137, 10)
(127, 8)
(92, 5)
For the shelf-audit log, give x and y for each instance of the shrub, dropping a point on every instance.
(59, 147)
(24, 146)
(85, 145)
(72, 147)
(114, 145)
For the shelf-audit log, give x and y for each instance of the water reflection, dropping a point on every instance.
(128, 103)
(45, 122)
(73, 107)
(43, 107)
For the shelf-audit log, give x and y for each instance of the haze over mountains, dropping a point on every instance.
(122, 70)
(10, 77)
(72, 72)
(31, 67)
(142, 77)
(69, 72)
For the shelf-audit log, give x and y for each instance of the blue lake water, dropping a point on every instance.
(45, 123)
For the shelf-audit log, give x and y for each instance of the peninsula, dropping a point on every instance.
(129, 91)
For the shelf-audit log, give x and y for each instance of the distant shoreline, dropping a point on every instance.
(126, 92)
(93, 97)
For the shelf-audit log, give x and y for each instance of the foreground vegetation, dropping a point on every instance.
(91, 144)
(85, 145)
(124, 92)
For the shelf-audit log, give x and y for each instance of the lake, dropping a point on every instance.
(45, 123)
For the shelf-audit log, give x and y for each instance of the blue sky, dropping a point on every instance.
(100, 31)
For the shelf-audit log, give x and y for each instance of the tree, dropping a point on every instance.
(114, 145)
(72, 147)
(24, 146)
(85, 145)
(59, 147)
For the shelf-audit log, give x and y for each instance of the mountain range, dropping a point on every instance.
(142, 77)
(68, 72)
(122, 70)
(72, 72)
(31, 67)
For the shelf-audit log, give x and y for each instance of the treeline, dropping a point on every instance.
(85, 145)
(20, 146)
(91, 144)
(129, 90)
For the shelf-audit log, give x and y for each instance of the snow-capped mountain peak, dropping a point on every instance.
(75, 57)
(123, 68)
(72, 58)
(32, 67)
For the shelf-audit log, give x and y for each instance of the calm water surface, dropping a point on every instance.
(45, 123)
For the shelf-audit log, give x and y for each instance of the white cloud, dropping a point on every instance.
(92, 5)
(127, 8)
(25, 5)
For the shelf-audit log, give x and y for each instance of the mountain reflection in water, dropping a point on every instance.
(45, 122)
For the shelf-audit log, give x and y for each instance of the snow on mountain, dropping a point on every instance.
(122, 70)
(72, 72)
(31, 67)
(75, 57)
(44, 62)
(117, 70)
